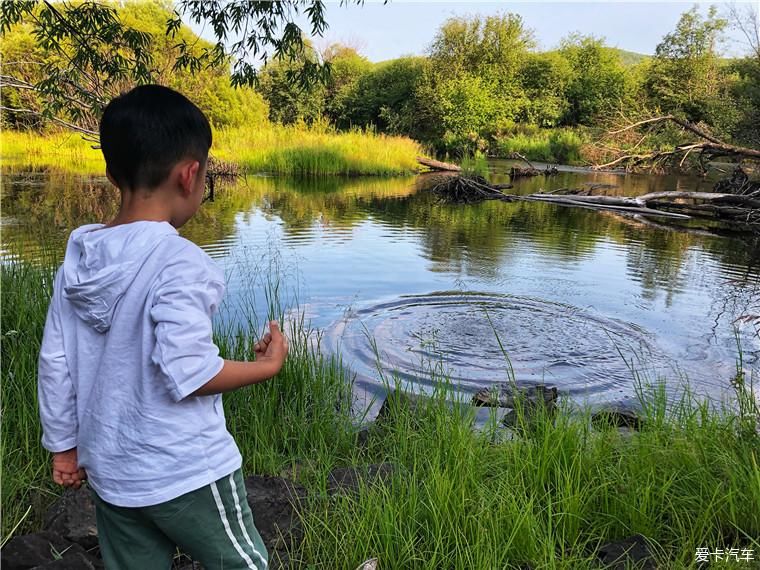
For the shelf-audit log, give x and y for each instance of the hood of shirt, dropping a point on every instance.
(101, 263)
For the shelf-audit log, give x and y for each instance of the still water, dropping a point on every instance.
(581, 299)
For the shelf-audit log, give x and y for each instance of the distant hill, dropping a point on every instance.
(629, 57)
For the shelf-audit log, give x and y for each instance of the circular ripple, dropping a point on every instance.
(477, 338)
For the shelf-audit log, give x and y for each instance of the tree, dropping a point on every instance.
(386, 97)
(289, 101)
(93, 54)
(460, 112)
(26, 61)
(686, 77)
(491, 47)
(472, 82)
(746, 89)
(347, 67)
(597, 82)
(544, 77)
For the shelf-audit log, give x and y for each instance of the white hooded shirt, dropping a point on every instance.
(127, 340)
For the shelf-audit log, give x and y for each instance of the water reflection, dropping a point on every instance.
(359, 242)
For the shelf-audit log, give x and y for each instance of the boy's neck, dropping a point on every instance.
(139, 206)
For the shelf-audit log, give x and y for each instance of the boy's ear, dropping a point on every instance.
(187, 171)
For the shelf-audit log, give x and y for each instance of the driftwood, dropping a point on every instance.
(738, 183)
(221, 171)
(706, 148)
(741, 211)
(517, 172)
(437, 165)
(468, 190)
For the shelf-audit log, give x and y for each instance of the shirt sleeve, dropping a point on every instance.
(55, 389)
(182, 310)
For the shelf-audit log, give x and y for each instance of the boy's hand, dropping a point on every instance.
(273, 346)
(66, 469)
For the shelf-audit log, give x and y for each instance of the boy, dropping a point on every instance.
(129, 378)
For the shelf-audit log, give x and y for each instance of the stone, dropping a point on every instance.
(349, 479)
(73, 517)
(508, 395)
(398, 402)
(631, 552)
(79, 560)
(32, 550)
(616, 417)
(371, 564)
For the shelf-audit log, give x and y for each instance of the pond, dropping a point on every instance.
(581, 299)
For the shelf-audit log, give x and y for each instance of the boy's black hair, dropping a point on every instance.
(146, 131)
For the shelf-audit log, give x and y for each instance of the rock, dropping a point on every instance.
(397, 402)
(349, 479)
(507, 396)
(273, 500)
(32, 550)
(529, 399)
(616, 417)
(631, 552)
(363, 437)
(73, 517)
(73, 561)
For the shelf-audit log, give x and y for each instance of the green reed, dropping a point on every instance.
(561, 146)
(548, 494)
(462, 498)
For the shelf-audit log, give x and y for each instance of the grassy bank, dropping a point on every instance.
(317, 151)
(558, 146)
(458, 498)
(293, 150)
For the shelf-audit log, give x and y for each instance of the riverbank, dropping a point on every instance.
(456, 498)
(273, 149)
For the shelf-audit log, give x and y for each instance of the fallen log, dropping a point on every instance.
(619, 205)
(438, 165)
(705, 149)
(741, 212)
(517, 172)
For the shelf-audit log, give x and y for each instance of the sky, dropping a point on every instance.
(406, 28)
(402, 27)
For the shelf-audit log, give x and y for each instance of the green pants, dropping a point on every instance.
(213, 525)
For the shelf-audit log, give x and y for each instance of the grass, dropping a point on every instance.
(317, 151)
(459, 497)
(63, 151)
(475, 165)
(560, 146)
(291, 150)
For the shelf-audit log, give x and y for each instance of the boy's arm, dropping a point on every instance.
(270, 356)
(55, 390)
(182, 307)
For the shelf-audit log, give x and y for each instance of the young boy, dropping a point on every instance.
(129, 377)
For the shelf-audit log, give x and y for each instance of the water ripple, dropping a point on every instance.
(581, 352)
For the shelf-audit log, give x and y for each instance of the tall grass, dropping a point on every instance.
(561, 146)
(546, 495)
(26, 478)
(267, 148)
(462, 499)
(317, 151)
(475, 165)
(63, 151)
